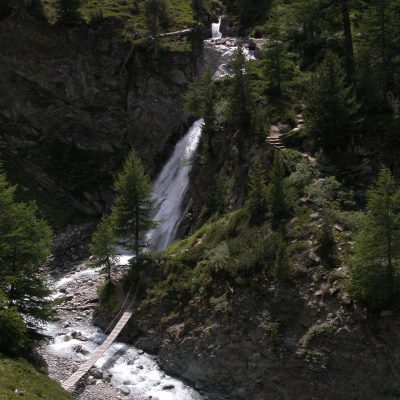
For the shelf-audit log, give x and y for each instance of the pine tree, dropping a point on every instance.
(133, 206)
(67, 11)
(156, 16)
(198, 9)
(327, 244)
(24, 247)
(240, 99)
(252, 12)
(257, 203)
(278, 205)
(103, 247)
(377, 50)
(278, 66)
(280, 270)
(331, 106)
(376, 261)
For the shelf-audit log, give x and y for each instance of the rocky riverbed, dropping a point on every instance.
(123, 371)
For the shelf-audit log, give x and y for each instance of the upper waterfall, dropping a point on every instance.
(216, 34)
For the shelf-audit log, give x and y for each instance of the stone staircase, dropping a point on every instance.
(277, 132)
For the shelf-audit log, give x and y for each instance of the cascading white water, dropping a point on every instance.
(170, 188)
(216, 34)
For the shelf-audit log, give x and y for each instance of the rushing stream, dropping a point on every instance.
(125, 370)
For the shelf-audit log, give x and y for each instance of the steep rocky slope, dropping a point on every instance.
(85, 96)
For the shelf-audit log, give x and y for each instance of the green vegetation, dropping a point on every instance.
(103, 247)
(24, 247)
(375, 269)
(156, 17)
(19, 379)
(130, 219)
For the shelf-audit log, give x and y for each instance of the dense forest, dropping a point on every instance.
(293, 203)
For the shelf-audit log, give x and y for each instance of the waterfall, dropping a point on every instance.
(170, 188)
(216, 34)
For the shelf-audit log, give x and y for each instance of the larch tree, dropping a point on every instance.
(103, 247)
(331, 107)
(240, 98)
(133, 207)
(67, 11)
(376, 261)
(257, 201)
(25, 243)
(277, 199)
(156, 16)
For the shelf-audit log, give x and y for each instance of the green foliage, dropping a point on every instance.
(156, 16)
(277, 199)
(326, 244)
(103, 246)
(376, 50)
(278, 66)
(199, 11)
(19, 374)
(67, 11)
(249, 12)
(24, 247)
(14, 335)
(331, 107)
(107, 298)
(280, 270)
(376, 261)
(240, 98)
(257, 201)
(133, 207)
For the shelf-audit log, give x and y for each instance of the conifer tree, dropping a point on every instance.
(67, 11)
(331, 106)
(240, 99)
(198, 9)
(103, 247)
(24, 247)
(278, 66)
(376, 261)
(257, 203)
(377, 50)
(277, 200)
(280, 270)
(156, 16)
(133, 206)
(327, 244)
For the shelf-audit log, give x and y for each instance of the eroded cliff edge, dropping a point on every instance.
(85, 95)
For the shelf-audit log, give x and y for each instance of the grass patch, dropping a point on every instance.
(19, 379)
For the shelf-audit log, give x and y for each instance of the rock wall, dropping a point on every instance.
(78, 98)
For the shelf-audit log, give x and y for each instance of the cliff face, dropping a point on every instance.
(73, 101)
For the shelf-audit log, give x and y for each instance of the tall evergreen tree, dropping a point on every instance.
(156, 16)
(278, 66)
(24, 247)
(257, 202)
(198, 10)
(103, 247)
(331, 107)
(377, 50)
(133, 206)
(376, 261)
(280, 270)
(240, 99)
(326, 244)
(67, 11)
(277, 200)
